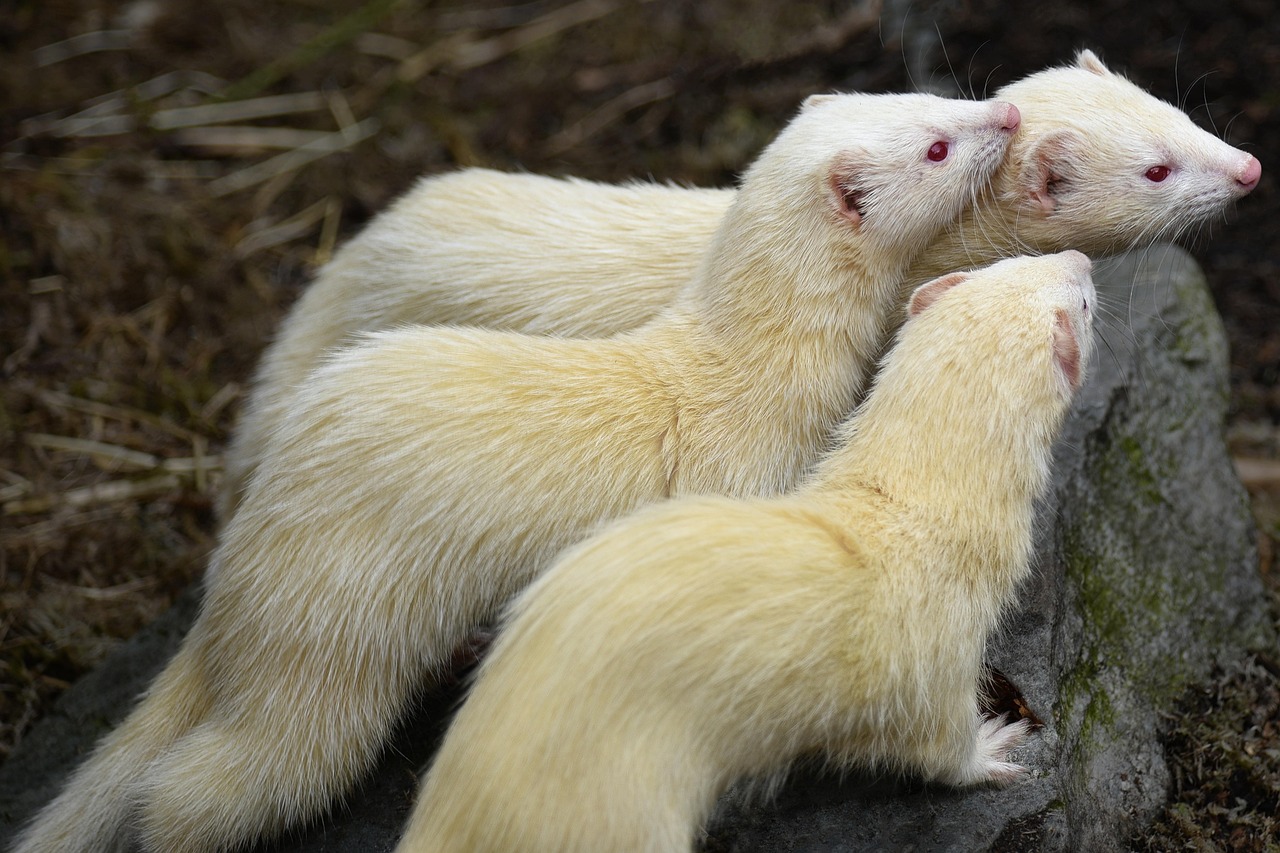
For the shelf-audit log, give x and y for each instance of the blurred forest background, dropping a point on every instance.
(173, 171)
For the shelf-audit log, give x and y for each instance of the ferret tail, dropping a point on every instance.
(251, 769)
(94, 813)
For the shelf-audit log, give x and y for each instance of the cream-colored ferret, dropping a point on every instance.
(1099, 166)
(706, 639)
(426, 475)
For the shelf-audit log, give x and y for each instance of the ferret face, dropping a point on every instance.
(1102, 166)
(888, 170)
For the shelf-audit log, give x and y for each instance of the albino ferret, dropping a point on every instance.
(1099, 165)
(426, 475)
(706, 639)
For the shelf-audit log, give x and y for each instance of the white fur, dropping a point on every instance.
(538, 254)
(425, 475)
(706, 639)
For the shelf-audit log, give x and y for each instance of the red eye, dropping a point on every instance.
(1156, 174)
(938, 151)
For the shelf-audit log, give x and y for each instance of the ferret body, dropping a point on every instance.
(706, 639)
(427, 474)
(479, 247)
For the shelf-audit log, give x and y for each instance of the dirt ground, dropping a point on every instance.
(150, 241)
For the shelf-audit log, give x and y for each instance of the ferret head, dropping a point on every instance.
(1102, 166)
(1023, 324)
(871, 176)
(972, 395)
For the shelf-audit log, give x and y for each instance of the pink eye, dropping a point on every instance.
(938, 151)
(1156, 174)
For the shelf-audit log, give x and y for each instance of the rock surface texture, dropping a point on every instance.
(1146, 575)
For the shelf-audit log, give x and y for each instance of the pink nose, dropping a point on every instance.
(1249, 175)
(1012, 118)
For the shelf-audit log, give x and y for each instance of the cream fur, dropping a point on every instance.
(481, 247)
(426, 475)
(706, 639)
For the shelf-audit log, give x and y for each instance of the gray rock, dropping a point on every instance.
(1146, 575)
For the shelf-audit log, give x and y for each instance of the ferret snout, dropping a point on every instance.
(1010, 118)
(1249, 173)
(1090, 293)
(1082, 269)
(1077, 271)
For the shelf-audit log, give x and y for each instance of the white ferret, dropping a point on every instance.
(426, 475)
(707, 638)
(1099, 165)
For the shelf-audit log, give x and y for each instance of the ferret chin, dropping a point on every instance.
(1099, 165)
(706, 639)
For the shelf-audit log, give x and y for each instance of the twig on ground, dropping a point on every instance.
(62, 400)
(282, 232)
(112, 105)
(116, 490)
(293, 160)
(95, 42)
(240, 140)
(113, 457)
(110, 457)
(224, 397)
(329, 231)
(231, 111)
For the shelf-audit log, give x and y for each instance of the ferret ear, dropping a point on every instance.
(816, 101)
(928, 293)
(1049, 164)
(1066, 349)
(1089, 61)
(848, 188)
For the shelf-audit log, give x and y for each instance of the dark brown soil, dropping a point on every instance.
(137, 296)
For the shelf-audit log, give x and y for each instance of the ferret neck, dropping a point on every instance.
(986, 231)
(959, 458)
(779, 273)
(781, 332)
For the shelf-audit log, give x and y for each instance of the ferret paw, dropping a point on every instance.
(995, 741)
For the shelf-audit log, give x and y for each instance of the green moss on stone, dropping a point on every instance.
(1128, 583)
